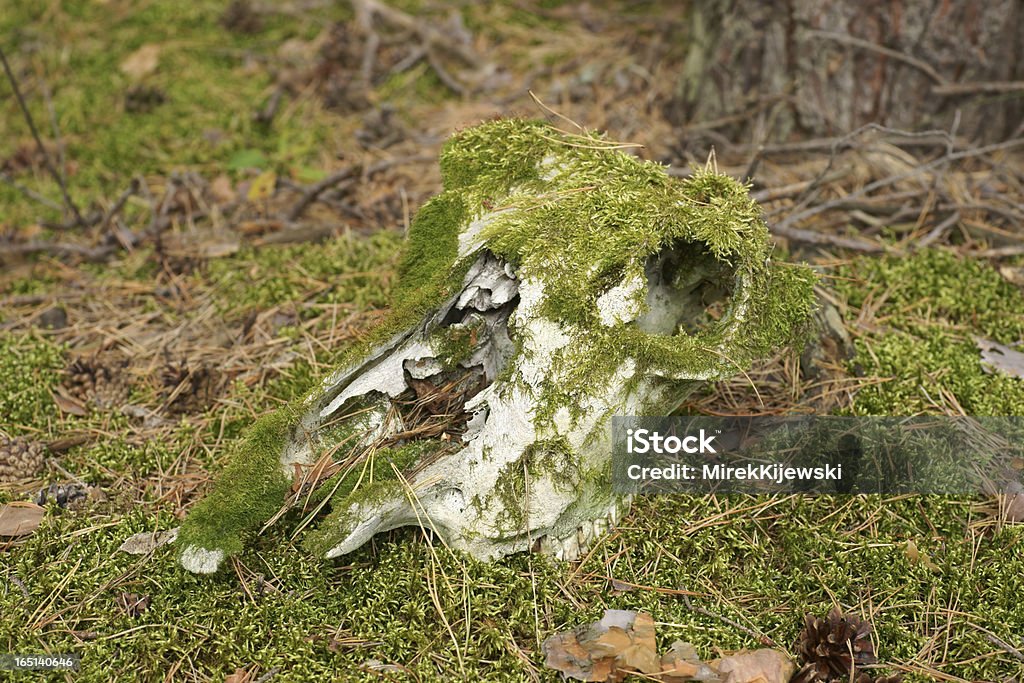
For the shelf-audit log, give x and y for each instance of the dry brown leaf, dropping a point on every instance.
(142, 62)
(564, 653)
(218, 248)
(681, 663)
(756, 666)
(240, 676)
(148, 541)
(68, 404)
(1013, 275)
(621, 642)
(917, 557)
(1013, 503)
(996, 356)
(642, 653)
(222, 190)
(20, 518)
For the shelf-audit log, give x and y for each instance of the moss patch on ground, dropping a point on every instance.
(761, 562)
(30, 366)
(926, 311)
(202, 72)
(758, 562)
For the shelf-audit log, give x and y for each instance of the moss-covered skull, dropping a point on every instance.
(554, 283)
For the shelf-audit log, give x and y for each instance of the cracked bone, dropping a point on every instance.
(485, 415)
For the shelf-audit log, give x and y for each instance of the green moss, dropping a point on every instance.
(936, 288)
(928, 308)
(919, 370)
(204, 120)
(431, 250)
(760, 561)
(491, 159)
(456, 343)
(587, 216)
(346, 270)
(29, 369)
(248, 492)
(551, 460)
(374, 481)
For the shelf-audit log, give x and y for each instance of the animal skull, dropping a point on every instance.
(555, 283)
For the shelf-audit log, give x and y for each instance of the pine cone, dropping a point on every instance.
(189, 389)
(19, 459)
(831, 647)
(102, 382)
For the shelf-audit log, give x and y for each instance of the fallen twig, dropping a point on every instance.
(813, 237)
(987, 88)
(759, 637)
(314, 191)
(34, 196)
(68, 202)
(133, 187)
(939, 230)
(786, 223)
(56, 248)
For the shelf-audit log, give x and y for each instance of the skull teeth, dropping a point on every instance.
(570, 548)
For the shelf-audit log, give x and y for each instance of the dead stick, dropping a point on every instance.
(889, 180)
(319, 188)
(812, 237)
(759, 637)
(988, 87)
(58, 248)
(133, 187)
(443, 74)
(39, 142)
(940, 229)
(29, 193)
(55, 126)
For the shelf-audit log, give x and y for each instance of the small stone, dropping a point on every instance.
(53, 318)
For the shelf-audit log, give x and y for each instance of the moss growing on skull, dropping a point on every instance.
(593, 218)
(248, 492)
(489, 160)
(573, 213)
(552, 460)
(456, 343)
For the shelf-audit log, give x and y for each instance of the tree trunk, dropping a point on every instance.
(773, 70)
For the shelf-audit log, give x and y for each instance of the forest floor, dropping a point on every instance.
(200, 290)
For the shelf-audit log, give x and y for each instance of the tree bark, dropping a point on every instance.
(769, 71)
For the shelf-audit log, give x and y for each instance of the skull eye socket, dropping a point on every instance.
(688, 289)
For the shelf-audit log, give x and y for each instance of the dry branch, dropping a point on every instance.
(68, 202)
